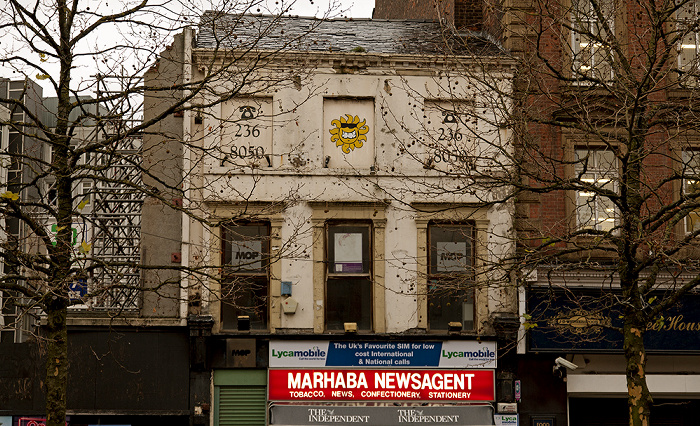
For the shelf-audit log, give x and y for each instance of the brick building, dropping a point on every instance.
(607, 215)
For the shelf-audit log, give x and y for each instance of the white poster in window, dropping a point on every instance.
(451, 257)
(348, 252)
(246, 255)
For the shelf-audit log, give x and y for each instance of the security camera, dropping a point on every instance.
(561, 362)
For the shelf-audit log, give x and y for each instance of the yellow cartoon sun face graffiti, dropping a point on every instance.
(349, 133)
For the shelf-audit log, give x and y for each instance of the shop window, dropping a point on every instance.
(592, 25)
(451, 276)
(245, 275)
(597, 172)
(349, 276)
(691, 186)
(689, 45)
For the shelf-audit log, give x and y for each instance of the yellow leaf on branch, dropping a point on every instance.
(85, 247)
(10, 195)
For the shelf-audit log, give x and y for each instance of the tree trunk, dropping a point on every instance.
(639, 399)
(56, 365)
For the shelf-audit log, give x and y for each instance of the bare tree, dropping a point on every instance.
(80, 166)
(604, 170)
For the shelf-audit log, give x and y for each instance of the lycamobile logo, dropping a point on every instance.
(309, 353)
(481, 353)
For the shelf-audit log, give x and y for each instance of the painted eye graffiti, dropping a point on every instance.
(349, 133)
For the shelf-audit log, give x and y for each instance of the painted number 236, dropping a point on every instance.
(245, 131)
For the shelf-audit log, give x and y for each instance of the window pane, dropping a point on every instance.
(348, 249)
(687, 16)
(246, 248)
(593, 210)
(450, 249)
(244, 291)
(348, 300)
(450, 302)
(592, 57)
(244, 296)
(585, 211)
(450, 289)
(691, 167)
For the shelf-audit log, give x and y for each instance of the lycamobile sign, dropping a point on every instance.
(434, 354)
(481, 354)
(311, 354)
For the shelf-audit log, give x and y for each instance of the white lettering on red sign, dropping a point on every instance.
(476, 385)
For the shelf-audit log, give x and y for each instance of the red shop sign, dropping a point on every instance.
(380, 385)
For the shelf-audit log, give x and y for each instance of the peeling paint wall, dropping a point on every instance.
(375, 135)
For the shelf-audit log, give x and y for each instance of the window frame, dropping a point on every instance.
(468, 278)
(366, 275)
(688, 169)
(681, 26)
(585, 25)
(228, 276)
(349, 211)
(598, 175)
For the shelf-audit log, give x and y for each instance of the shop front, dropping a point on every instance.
(381, 382)
(589, 386)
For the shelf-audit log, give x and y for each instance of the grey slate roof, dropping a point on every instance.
(219, 30)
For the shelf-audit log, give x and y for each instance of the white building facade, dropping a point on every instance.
(344, 193)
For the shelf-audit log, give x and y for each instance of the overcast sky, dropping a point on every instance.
(307, 8)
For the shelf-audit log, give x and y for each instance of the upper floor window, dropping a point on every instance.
(596, 170)
(245, 276)
(689, 45)
(451, 276)
(593, 25)
(349, 275)
(8, 317)
(691, 167)
(86, 191)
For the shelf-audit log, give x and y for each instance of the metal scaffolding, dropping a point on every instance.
(117, 209)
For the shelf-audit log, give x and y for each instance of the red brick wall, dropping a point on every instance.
(464, 14)
(469, 14)
(414, 9)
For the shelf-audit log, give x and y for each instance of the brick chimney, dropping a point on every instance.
(464, 14)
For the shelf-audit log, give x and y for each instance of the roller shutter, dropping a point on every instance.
(240, 398)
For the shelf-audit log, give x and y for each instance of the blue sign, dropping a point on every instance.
(437, 354)
(77, 289)
(589, 321)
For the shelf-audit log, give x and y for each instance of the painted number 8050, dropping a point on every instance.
(247, 152)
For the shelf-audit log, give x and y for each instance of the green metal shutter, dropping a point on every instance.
(242, 405)
(240, 398)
